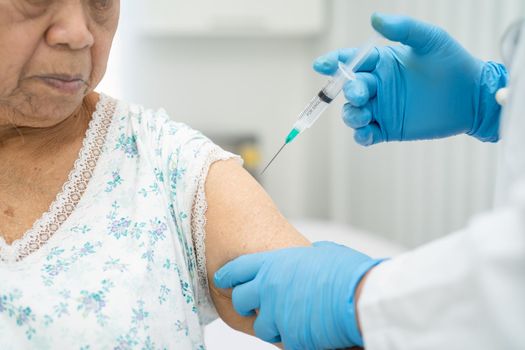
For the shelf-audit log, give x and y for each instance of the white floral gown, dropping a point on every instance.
(118, 260)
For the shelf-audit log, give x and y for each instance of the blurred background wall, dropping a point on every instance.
(245, 75)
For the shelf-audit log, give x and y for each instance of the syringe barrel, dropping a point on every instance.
(335, 85)
(311, 113)
(319, 103)
(333, 88)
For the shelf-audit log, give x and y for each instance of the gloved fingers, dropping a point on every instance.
(239, 271)
(329, 64)
(266, 329)
(369, 135)
(361, 89)
(357, 117)
(421, 36)
(245, 298)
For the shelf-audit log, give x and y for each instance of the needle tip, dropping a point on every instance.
(271, 161)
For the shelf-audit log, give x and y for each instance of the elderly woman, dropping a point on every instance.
(113, 218)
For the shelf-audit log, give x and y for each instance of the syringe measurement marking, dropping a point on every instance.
(312, 106)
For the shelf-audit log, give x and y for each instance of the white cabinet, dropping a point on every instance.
(232, 18)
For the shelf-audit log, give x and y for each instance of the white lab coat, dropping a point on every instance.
(467, 290)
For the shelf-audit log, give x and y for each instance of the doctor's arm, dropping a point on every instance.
(463, 291)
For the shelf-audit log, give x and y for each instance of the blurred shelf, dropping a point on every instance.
(233, 18)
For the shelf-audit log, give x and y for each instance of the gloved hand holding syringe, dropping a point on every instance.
(319, 103)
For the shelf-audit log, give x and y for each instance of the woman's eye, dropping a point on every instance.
(38, 3)
(36, 7)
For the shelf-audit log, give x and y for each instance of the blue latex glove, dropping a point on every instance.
(430, 87)
(305, 296)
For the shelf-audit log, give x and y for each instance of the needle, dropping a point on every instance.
(276, 154)
(328, 93)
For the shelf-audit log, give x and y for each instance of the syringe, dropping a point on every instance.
(328, 93)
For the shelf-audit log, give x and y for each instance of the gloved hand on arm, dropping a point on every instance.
(429, 87)
(304, 296)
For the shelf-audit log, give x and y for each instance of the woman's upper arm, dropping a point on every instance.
(241, 219)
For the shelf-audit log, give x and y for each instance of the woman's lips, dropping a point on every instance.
(67, 85)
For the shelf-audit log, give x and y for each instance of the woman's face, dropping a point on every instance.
(52, 54)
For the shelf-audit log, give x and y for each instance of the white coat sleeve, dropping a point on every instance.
(465, 291)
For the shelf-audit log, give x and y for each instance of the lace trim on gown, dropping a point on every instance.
(198, 219)
(67, 199)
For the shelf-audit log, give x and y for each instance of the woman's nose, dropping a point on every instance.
(70, 28)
